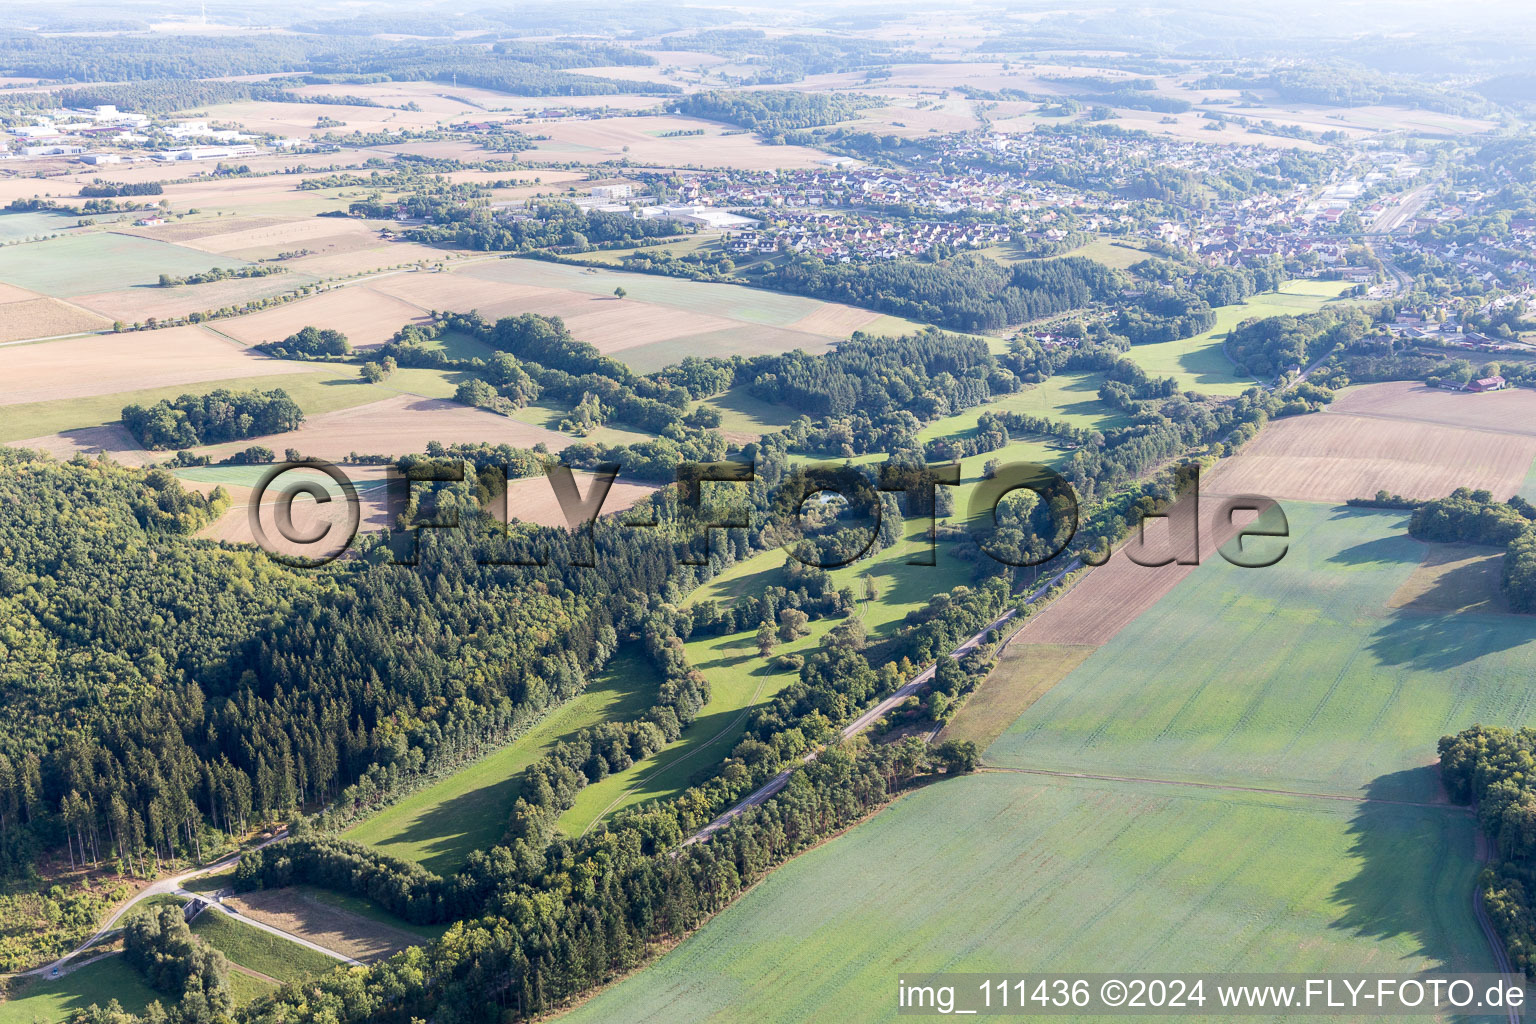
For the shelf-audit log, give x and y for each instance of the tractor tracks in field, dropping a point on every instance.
(1225, 787)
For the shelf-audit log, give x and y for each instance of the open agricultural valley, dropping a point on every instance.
(707, 513)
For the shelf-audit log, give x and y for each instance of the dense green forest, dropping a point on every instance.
(768, 110)
(1490, 767)
(220, 415)
(190, 973)
(965, 293)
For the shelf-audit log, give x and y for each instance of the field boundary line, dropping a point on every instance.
(1484, 855)
(1224, 787)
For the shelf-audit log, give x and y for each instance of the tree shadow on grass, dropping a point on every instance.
(448, 832)
(1415, 877)
(1439, 643)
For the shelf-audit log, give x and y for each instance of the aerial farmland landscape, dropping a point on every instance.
(699, 514)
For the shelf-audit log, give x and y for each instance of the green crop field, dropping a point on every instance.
(1071, 397)
(1002, 871)
(441, 825)
(316, 393)
(18, 227)
(261, 951)
(55, 999)
(99, 261)
(549, 414)
(742, 413)
(1199, 364)
(1296, 676)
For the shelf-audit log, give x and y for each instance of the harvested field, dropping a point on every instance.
(1512, 411)
(616, 326)
(658, 323)
(1108, 598)
(1454, 578)
(112, 439)
(301, 914)
(366, 316)
(608, 139)
(190, 230)
(836, 320)
(399, 426)
(9, 293)
(45, 318)
(111, 363)
(311, 519)
(739, 339)
(461, 293)
(282, 235)
(1334, 456)
(532, 499)
(381, 256)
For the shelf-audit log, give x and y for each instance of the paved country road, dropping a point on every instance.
(871, 716)
(164, 887)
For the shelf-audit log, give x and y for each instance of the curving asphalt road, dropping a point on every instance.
(164, 887)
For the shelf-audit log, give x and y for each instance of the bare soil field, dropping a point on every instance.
(366, 316)
(323, 924)
(46, 318)
(1512, 411)
(1335, 456)
(110, 363)
(13, 293)
(1108, 598)
(1454, 578)
(319, 234)
(532, 499)
(399, 426)
(112, 440)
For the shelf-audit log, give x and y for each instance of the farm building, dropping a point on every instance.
(1487, 384)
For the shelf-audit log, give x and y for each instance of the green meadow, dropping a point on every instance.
(1070, 397)
(1199, 364)
(55, 999)
(440, 825)
(260, 951)
(740, 679)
